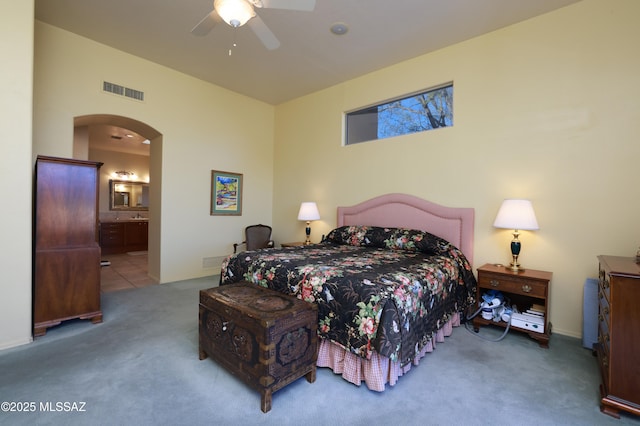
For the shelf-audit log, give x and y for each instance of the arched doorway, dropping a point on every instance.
(93, 124)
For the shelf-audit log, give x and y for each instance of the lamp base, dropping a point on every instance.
(515, 266)
(515, 252)
(307, 231)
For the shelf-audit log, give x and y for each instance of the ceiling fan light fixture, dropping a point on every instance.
(234, 12)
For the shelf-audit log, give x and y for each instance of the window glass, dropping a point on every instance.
(419, 112)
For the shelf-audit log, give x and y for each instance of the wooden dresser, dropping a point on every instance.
(618, 346)
(66, 279)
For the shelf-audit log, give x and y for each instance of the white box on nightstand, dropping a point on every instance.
(529, 322)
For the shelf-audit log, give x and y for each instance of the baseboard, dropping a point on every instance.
(15, 343)
(565, 333)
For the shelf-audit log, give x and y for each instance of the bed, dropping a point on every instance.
(390, 281)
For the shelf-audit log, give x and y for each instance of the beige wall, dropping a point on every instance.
(547, 109)
(16, 45)
(203, 127)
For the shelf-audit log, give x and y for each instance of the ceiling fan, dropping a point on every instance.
(236, 13)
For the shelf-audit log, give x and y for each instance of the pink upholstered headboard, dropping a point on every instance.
(454, 224)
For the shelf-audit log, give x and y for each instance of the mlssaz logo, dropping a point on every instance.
(64, 406)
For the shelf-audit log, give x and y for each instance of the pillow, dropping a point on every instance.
(390, 238)
(349, 235)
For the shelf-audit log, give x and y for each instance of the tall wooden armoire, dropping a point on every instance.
(66, 260)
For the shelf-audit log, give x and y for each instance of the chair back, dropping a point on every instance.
(257, 236)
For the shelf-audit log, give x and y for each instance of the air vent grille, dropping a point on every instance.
(127, 92)
(135, 94)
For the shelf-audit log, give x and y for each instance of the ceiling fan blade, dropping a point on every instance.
(305, 5)
(203, 27)
(264, 33)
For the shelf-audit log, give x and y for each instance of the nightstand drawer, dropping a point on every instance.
(512, 285)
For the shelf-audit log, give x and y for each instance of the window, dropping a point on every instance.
(427, 110)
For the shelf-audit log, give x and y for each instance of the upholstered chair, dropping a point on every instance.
(256, 237)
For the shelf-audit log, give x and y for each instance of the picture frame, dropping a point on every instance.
(226, 193)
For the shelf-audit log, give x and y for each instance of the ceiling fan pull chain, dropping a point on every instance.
(234, 44)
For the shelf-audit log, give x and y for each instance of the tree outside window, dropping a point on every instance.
(420, 112)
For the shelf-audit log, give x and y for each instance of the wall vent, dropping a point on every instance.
(119, 90)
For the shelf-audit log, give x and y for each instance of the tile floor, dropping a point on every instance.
(126, 271)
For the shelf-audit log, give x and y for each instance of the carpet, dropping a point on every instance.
(141, 367)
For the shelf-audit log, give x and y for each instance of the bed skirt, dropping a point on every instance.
(377, 371)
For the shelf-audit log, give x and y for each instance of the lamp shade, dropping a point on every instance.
(516, 214)
(308, 211)
(234, 12)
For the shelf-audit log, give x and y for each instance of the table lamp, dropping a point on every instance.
(517, 215)
(308, 212)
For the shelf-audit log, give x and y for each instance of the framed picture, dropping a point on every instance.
(226, 193)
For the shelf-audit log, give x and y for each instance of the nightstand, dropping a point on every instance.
(524, 289)
(293, 244)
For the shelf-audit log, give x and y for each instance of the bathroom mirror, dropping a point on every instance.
(127, 195)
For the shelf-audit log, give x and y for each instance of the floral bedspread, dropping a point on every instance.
(378, 289)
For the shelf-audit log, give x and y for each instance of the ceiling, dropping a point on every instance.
(109, 137)
(310, 57)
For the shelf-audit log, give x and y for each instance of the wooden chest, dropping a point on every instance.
(265, 338)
